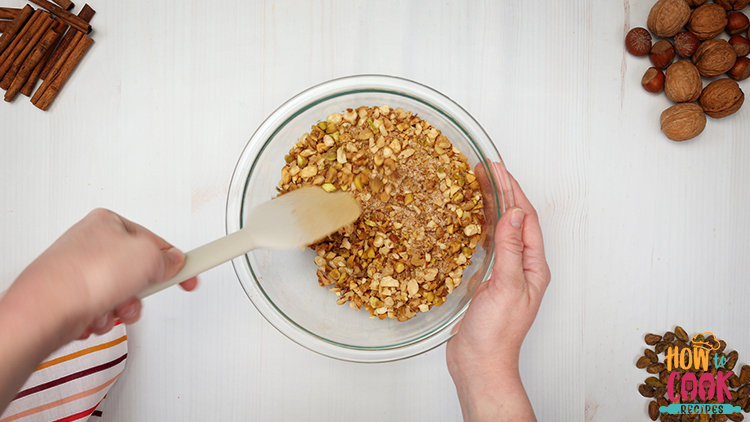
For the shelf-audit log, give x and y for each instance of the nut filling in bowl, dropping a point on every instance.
(430, 210)
(421, 209)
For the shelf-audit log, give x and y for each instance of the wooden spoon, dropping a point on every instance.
(290, 221)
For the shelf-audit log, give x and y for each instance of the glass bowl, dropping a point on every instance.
(283, 285)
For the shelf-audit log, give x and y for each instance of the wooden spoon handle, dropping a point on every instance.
(205, 257)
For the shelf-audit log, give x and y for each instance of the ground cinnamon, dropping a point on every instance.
(54, 82)
(34, 35)
(10, 53)
(68, 17)
(47, 42)
(16, 25)
(86, 14)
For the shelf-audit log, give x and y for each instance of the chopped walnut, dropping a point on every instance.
(422, 209)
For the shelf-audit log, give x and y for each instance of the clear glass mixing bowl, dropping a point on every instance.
(282, 284)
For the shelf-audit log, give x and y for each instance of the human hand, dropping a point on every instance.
(94, 271)
(77, 287)
(483, 355)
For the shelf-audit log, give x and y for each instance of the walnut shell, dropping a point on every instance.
(683, 121)
(682, 82)
(722, 98)
(707, 21)
(714, 57)
(732, 4)
(695, 3)
(667, 17)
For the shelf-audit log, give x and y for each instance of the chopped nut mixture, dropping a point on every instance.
(422, 210)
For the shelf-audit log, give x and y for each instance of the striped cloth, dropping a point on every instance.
(72, 383)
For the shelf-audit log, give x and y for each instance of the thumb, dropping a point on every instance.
(508, 267)
(174, 260)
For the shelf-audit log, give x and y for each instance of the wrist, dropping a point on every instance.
(494, 396)
(489, 386)
(46, 307)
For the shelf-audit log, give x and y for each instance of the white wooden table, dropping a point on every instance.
(641, 233)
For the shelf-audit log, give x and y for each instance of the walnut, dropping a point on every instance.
(732, 4)
(714, 57)
(683, 121)
(695, 3)
(707, 21)
(682, 82)
(722, 98)
(667, 17)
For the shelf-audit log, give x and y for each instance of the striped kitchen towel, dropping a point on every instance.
(71, 384)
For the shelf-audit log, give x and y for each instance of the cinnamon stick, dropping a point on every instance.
(18, 22)
(10, 53)
(86, 14)
(46, 43)
(9, 12)
(68, 17)
(58, 27)
(55, 81)
(4, 25)
(44, 24)
(65, 4)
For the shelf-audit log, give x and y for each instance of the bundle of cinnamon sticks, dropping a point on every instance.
(41, 44)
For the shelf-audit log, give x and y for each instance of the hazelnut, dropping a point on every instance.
(685, 44)
(732, 4)
(707, 21)
(638, 41)
(667, 17)
(721, 98)
(683, 83)
(714, 57)
(740, 44)
(653, 80)
(683, 121)
(737, 22)
(662, 54)
(740, 71)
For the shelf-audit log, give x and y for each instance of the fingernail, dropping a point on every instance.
(101, 322)
(516, 217)
(127, 312)
(175, 256)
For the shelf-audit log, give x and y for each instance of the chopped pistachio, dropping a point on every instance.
(399, 242)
